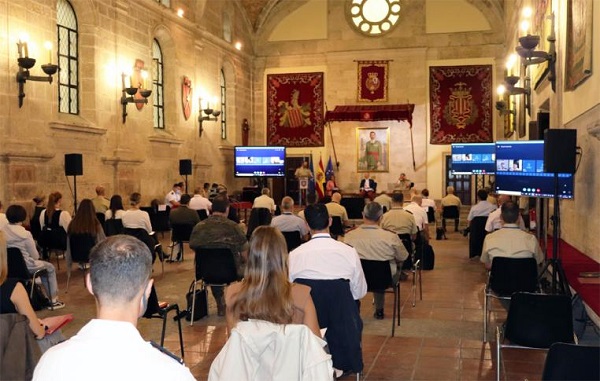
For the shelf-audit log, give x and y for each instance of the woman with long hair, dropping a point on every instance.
(115, 210)
(53, 215)
(266, 293)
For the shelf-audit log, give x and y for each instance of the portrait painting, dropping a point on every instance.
(372, 148)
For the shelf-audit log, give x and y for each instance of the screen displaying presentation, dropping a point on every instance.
(259, 161)
(520, 171)
(473, 158)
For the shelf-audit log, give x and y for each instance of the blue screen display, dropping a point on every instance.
(473, 158)
(259, 161)
(520, 171)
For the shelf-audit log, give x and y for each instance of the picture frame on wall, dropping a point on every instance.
(372, 149)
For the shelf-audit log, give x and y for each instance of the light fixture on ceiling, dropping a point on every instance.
(25, 63)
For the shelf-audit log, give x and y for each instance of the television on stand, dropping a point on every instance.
(259, 161)
(473, 158)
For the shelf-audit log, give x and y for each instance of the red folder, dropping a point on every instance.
(54, 323)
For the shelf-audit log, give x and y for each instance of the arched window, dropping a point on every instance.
(223, 106)
(68, 58)
(157, 86)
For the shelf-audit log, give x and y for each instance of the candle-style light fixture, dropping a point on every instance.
(527, 46)
(131, 89)
(210, 114)
(26, 63)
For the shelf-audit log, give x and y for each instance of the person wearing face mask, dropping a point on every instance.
(172, 198)
(110, 347)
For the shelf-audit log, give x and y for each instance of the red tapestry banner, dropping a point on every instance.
(295, 110)
(372, 81)
(461, 104)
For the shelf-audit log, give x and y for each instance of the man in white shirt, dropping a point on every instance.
(325, 258)
(199, 201)
(415, 207)
(288, 222)
(265, 201)
(427, 202)
(110, 346)
(494, 220)
(172, 198)
(483, 208)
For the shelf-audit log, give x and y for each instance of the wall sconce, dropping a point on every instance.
(501, 105)
(526, 49)
(26, 63)
(210, 114)
(131, 90)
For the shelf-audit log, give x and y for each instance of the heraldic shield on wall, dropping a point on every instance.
(295, 115)
(461, 104)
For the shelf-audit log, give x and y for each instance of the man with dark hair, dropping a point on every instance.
(427, 202)
(374, 243)
(183, 216)
(288, 222)
(483, 208)
(311, 199)
(510, 241)
(325, 258)
(217, 231)
(172, 198)
(110, 347)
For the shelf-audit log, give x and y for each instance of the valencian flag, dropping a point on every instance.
(320, 179)
(311, 181)
(329, 169)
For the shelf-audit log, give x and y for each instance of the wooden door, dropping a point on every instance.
(461, 183)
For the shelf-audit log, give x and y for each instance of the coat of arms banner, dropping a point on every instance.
(461, 104)
(295, 110)
(372, 81)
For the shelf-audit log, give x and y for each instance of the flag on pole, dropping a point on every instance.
(329, 169)
(311, 181)
(320, 179)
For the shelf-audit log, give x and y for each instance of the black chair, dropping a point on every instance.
(53, 240)
(213, 267)
(507, 276)
(158, 311)
(159, 219)
(202, 213)
(451, 212)
(535, 321)
(17, 268)
(34, 223)
(113, 226)
(338, 312)
(570, 362)
(149, 240)
(430, 215)
(80, 246)
(408, 245)
(180, 234)
(258, 217)
(379, 279)
(292, 239)
(476, 235)
(101, 217)
(337, 228)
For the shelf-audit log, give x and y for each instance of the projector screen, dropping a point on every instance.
(253, 161)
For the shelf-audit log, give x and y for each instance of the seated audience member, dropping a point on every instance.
(3, 220)
(233, 213)
(483, 208)
(416, 208)
(325, 258)
(450, 200)
(427, 202)
(199, 201)
(53, 215)
(34, 221)
(510, 241)
(85, 222)
(494, 220)
(265, 293)
(311, 199)
(264, 201)
(288, 222)
(15, 300)
(101, 203)
(384, 200)
(19, 238)
(217, 231)
(374, 243)
(110, 346)
(134, 218)
(335, 209)
(331, 186)
(368, 187)
(258, 217)
(172, 198)
(183, 215)
(115, 210)
(398, 220)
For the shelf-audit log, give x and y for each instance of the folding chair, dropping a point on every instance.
(451, 212)
(337, 228)
(214, 267)
(430, 215)
(80, 246)
(101, 217)
(292, 239)
(158, 311)
(113, 226)
(17, 268)
(476, 236)
(378, 275)
(535, 321)
(507, 276)
(570, 362)
(202, 214)
(180, 234)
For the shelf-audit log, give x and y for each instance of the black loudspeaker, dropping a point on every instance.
(73, 164)
(185, 167)
(560, 150)
(537, 128)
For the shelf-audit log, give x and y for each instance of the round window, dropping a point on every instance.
(374, 17)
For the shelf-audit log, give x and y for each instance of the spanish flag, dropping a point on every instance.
(320, 179)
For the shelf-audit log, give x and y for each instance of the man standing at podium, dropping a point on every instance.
(303, 173)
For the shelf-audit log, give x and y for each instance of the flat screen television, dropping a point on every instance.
(473, 158)
(520, 171)
(264, 161)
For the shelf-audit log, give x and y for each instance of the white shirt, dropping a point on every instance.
(419, 214)
(108, 350)
(118, 215)
(136, 219)
(426, 203)
(63, 221)
(481, 209)
(511, 242)
(264, 201)
(494, 221)
(172, 196)
(200, 202)
(287, 222)
(325, 258)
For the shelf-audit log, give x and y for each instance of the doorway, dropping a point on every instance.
(461, 183)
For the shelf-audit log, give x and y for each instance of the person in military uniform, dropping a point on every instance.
(373, 152)
(303, 172)
(217, 231)
(183, 215)
(110, 347)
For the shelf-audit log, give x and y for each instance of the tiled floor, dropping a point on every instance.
(439, 338)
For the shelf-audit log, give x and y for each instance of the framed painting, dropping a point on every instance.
(372, 149)
(578, 65)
